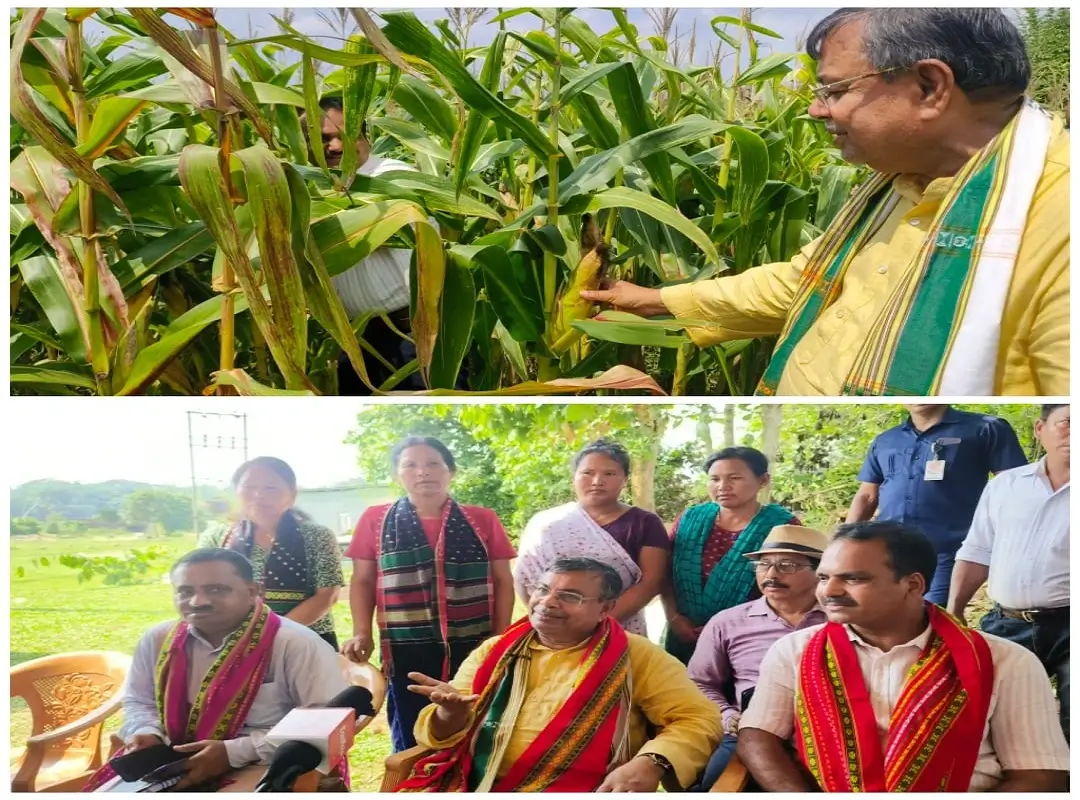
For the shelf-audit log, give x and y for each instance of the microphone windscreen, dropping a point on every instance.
(357, 698)
(295, 754)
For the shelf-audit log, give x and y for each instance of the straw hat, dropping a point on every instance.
(793, 539)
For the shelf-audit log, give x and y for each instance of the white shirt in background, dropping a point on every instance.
(1021, 531)
(381, 281)
(1022, 729)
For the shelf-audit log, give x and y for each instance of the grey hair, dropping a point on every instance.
(611, 584)
(981, 46)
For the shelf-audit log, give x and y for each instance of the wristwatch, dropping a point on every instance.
(657, 759)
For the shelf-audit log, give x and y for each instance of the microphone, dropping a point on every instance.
(289, 762)
(314, 738)
(358, 698)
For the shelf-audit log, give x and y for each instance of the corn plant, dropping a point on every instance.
(169, 234)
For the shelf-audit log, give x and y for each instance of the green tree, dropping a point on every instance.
(148, 507)
(1046, 33)
(25, 526)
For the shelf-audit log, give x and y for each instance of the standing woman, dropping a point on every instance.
(297, 562)
(437, 572)
(708, 570)
(631, 540)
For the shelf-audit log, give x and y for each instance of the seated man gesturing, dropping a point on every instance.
(560, 702)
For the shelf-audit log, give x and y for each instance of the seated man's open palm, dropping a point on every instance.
(440, 693)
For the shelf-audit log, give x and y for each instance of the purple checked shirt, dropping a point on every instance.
(732, 646)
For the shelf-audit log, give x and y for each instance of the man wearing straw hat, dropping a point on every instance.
(733, 643)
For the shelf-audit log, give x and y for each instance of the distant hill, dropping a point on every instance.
(79, 501)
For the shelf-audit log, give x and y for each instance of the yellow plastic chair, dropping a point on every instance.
(70, 696)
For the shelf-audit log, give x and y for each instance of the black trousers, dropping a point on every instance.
(390, 346)
(1048, 638)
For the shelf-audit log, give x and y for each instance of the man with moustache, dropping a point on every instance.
(1019, 540)
(930, 471)
(728, 655)
(931, 280)
(893, 693)
(380, 282)
(215, 682)
(562, 702)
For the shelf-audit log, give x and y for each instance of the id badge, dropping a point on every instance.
(935, 470)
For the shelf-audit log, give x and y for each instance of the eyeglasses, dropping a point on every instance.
(563, 596)
(828, 91)
(783, 567)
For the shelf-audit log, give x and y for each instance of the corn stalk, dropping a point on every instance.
(99, 356)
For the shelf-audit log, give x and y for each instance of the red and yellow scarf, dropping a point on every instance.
(575, 750)
(936, 728)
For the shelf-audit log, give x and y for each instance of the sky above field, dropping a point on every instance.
(99, 439)
(790, 23)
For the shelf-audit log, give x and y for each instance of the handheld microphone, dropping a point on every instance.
(358, 698)
(289, 762)
(314, 738)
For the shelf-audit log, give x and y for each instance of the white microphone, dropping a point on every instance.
(329, 730)
(314, 738)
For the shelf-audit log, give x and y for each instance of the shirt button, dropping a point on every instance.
(883, 268)
(840, 313)
(913, 222)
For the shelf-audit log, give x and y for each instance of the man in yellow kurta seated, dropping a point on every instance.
(947, 272)
(561, 701)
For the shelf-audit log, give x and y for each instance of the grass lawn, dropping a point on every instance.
(52, 613)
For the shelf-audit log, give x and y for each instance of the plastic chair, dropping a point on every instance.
(70, 695)
(372, 679)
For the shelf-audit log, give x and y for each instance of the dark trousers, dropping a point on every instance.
(939, 588)
(390, 346)
(718, 763)
(402, 709)
(1048, 639)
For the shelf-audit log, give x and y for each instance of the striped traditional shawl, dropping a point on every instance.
(939, 331)
(435, 606)
(936, 727)
(587, 737)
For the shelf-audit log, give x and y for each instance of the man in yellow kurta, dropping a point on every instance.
(561, 701)
(948, 270)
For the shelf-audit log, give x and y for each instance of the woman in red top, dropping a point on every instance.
(437, 572)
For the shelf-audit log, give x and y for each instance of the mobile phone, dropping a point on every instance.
(135, 765)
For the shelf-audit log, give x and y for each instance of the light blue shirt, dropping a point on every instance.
(304, 671)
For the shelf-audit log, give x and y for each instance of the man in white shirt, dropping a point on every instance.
(380, 282)
(1019, 540)
(177, 667)
(893, 694)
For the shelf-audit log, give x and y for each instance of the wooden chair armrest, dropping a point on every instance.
(98, 715)
(398, 766)
(734, 777)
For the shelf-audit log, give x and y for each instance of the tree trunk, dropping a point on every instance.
(771, 418)
(643, 469)
(704, 429)
(729, 425)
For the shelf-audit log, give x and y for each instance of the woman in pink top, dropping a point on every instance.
(437, 573)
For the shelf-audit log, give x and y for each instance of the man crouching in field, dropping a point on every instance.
(230, 666)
